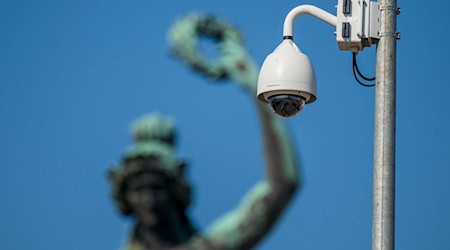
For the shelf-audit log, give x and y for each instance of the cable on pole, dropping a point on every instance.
(357, 72)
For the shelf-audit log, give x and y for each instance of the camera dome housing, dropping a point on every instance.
(287, 80)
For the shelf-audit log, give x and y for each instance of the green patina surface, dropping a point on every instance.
(154, 135)
(246, 225)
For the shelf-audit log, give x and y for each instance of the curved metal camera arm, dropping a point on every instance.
(302, 10)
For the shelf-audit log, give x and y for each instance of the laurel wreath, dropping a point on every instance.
(184, 37)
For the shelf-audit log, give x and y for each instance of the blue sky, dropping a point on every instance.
(74, 74)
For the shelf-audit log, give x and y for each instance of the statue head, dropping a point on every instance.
(150, 181)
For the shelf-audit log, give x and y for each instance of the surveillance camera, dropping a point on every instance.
(286, 80)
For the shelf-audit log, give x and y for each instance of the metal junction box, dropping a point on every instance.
(358, 24)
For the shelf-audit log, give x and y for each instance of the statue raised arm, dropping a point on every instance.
(151, 184)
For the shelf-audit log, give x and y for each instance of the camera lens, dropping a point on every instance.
(286, 105)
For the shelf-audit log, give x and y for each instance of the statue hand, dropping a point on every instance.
(233, 61)
(239, 66)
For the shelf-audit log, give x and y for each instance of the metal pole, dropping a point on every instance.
(383, 221)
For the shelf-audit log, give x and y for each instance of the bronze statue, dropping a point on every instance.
(151, 185)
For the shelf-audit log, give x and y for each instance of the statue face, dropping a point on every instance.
(148, 195)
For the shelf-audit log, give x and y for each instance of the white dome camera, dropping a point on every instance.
(286, 80)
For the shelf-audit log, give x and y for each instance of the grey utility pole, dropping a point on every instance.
(383, 221)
